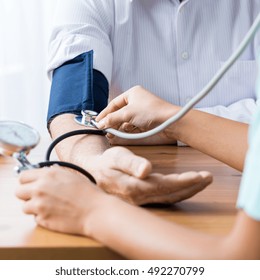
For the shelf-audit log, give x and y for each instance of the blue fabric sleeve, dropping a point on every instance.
(76, 86)
(100, 91)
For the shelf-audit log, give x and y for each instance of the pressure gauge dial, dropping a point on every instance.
(16, 137)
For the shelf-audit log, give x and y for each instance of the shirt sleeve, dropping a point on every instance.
(79, 27)
(241, 111)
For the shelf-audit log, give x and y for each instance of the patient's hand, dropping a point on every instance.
(63, 201)
(143, 188)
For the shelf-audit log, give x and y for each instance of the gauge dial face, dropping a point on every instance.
(17, 136)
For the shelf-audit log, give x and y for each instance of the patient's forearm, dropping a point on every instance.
(76, 149)
(223, 139)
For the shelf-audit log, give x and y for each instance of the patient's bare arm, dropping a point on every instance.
(118, 171)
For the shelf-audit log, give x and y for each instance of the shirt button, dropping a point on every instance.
(185, 55)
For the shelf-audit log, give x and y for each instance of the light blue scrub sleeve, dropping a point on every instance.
(249, 194)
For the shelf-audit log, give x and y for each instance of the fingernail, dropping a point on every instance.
(101, 124)
(141, 169)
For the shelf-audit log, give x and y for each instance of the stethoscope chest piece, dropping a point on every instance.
(86, 118)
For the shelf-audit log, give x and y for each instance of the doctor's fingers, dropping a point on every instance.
(119, 127)
(37, 207)
(117, 118)
(116, 104)
(25, 191)
(124, 127)
(130, 128)
(32, 175)
(33, 189)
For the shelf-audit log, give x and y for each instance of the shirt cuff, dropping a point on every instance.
(241, 111)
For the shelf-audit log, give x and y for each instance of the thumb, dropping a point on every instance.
(124, 160)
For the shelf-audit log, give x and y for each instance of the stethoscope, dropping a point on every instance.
(17, 139)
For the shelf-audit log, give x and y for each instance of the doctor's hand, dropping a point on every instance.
(137, 110)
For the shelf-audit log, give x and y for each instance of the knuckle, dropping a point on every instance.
(51, 173)
(40, 207)
(114, 104)
(38, 191)
(102, 182)
(126, 115)
(18, 192)
(25, 208)
(107, 120)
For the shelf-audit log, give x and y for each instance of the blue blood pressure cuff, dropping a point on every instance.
(77, 86)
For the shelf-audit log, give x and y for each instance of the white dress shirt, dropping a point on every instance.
(170, 48)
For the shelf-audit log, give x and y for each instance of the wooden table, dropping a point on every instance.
(212, 210)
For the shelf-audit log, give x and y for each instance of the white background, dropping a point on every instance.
(25, 27)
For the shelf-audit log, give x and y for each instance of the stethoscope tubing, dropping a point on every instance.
(75, 167)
